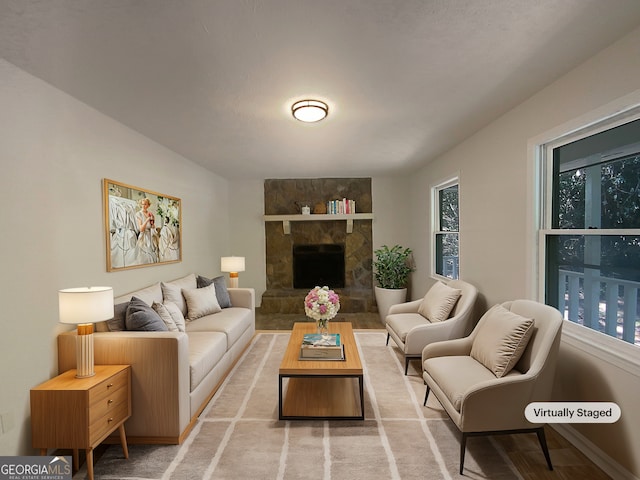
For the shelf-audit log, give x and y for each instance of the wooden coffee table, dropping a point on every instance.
(321, 389)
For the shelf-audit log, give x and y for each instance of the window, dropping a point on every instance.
(592, 230)
(446, 229)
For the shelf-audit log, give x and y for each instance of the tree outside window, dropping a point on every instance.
(446, 235)
(593, 246)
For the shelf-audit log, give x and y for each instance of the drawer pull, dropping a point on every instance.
(110, 385)
(110, 420)
(109, 402)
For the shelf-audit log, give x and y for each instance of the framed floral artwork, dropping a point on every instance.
(142, 227)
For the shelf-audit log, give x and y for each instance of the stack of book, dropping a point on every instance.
(321, 347)
(345, 205)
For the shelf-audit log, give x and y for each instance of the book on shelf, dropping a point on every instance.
(316, 346)
(341, 206)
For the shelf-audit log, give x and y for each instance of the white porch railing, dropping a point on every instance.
(605, 304)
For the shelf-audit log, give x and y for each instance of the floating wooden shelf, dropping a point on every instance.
(287, 219)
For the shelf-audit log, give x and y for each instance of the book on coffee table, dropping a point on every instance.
(318, 339)
(316, 346)
(319, 352)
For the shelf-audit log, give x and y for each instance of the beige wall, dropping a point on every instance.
(497, 238)
(54, 152)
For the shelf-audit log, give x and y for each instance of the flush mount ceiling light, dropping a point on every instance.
(309, 110)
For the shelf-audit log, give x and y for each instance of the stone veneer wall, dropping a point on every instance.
(286, 196)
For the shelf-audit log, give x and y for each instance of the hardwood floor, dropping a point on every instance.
(568, 462)
(523, 450)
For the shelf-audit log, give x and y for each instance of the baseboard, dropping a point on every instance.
(595, 454)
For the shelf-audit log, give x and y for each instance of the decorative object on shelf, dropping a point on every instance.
(391, 267)
(309, 111)
(306, 210)
(320, 208)
(83, 307)
(233, 265)
(142, 227)
(322, 304)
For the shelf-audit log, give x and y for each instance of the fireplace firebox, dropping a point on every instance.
(318, 265)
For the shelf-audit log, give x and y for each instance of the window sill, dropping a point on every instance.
(611, 350)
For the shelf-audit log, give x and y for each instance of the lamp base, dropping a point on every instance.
(84, 351)
(233, 279)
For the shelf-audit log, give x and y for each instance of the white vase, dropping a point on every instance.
(385, 297)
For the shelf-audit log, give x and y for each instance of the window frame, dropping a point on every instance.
(435, 224)
(607, 348)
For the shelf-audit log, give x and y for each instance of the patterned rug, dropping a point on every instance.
(239, 436)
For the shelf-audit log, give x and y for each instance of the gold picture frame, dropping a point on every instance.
(142, 227)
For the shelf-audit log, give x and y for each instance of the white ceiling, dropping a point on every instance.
(213, 80)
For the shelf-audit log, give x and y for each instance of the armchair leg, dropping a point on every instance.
(388, 338)
(463, 447)
(406, 365)
(426, 396)
(543, 443)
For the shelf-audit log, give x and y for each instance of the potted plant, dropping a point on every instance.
(391, 270)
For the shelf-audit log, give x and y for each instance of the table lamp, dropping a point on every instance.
(82, 307)
(233, 265)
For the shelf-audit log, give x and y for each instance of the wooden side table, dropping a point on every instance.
(79, 413)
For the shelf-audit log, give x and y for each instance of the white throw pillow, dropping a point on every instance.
(176, 315)
(438, 302)
(201, 302)
(161, 310)
(170, 315)
(172, 291)
(501, 339)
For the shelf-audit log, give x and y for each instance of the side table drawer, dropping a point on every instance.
(104, 425)
(104, 407)
(107, 387)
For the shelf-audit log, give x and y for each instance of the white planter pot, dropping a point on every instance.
(385, 297)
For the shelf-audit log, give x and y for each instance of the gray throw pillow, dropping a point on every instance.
(222, 294)
(141, 317)
(117, 323)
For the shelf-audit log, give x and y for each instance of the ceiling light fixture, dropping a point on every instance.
(309, 110)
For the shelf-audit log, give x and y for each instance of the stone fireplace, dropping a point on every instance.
(325, 253)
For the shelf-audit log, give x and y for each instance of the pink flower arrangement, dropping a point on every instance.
(321, 303)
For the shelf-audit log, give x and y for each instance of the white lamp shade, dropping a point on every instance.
(85, 305)
(232, 264)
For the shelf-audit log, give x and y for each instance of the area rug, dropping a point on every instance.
(239, 436)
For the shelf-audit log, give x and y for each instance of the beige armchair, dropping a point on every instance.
(411, 330)
(485, 381)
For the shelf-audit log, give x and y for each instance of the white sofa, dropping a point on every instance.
(174, 373)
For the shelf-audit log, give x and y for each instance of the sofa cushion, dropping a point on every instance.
(455, 375)
(232, 321)
(205, 351)
(438, 302)
(176, 315)
(222, 294)
(402, 323)
(172, 291)
(166, 317)
(201, 302)
(141, 317)
(117, 323)
(501, 339)
(150, 294)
